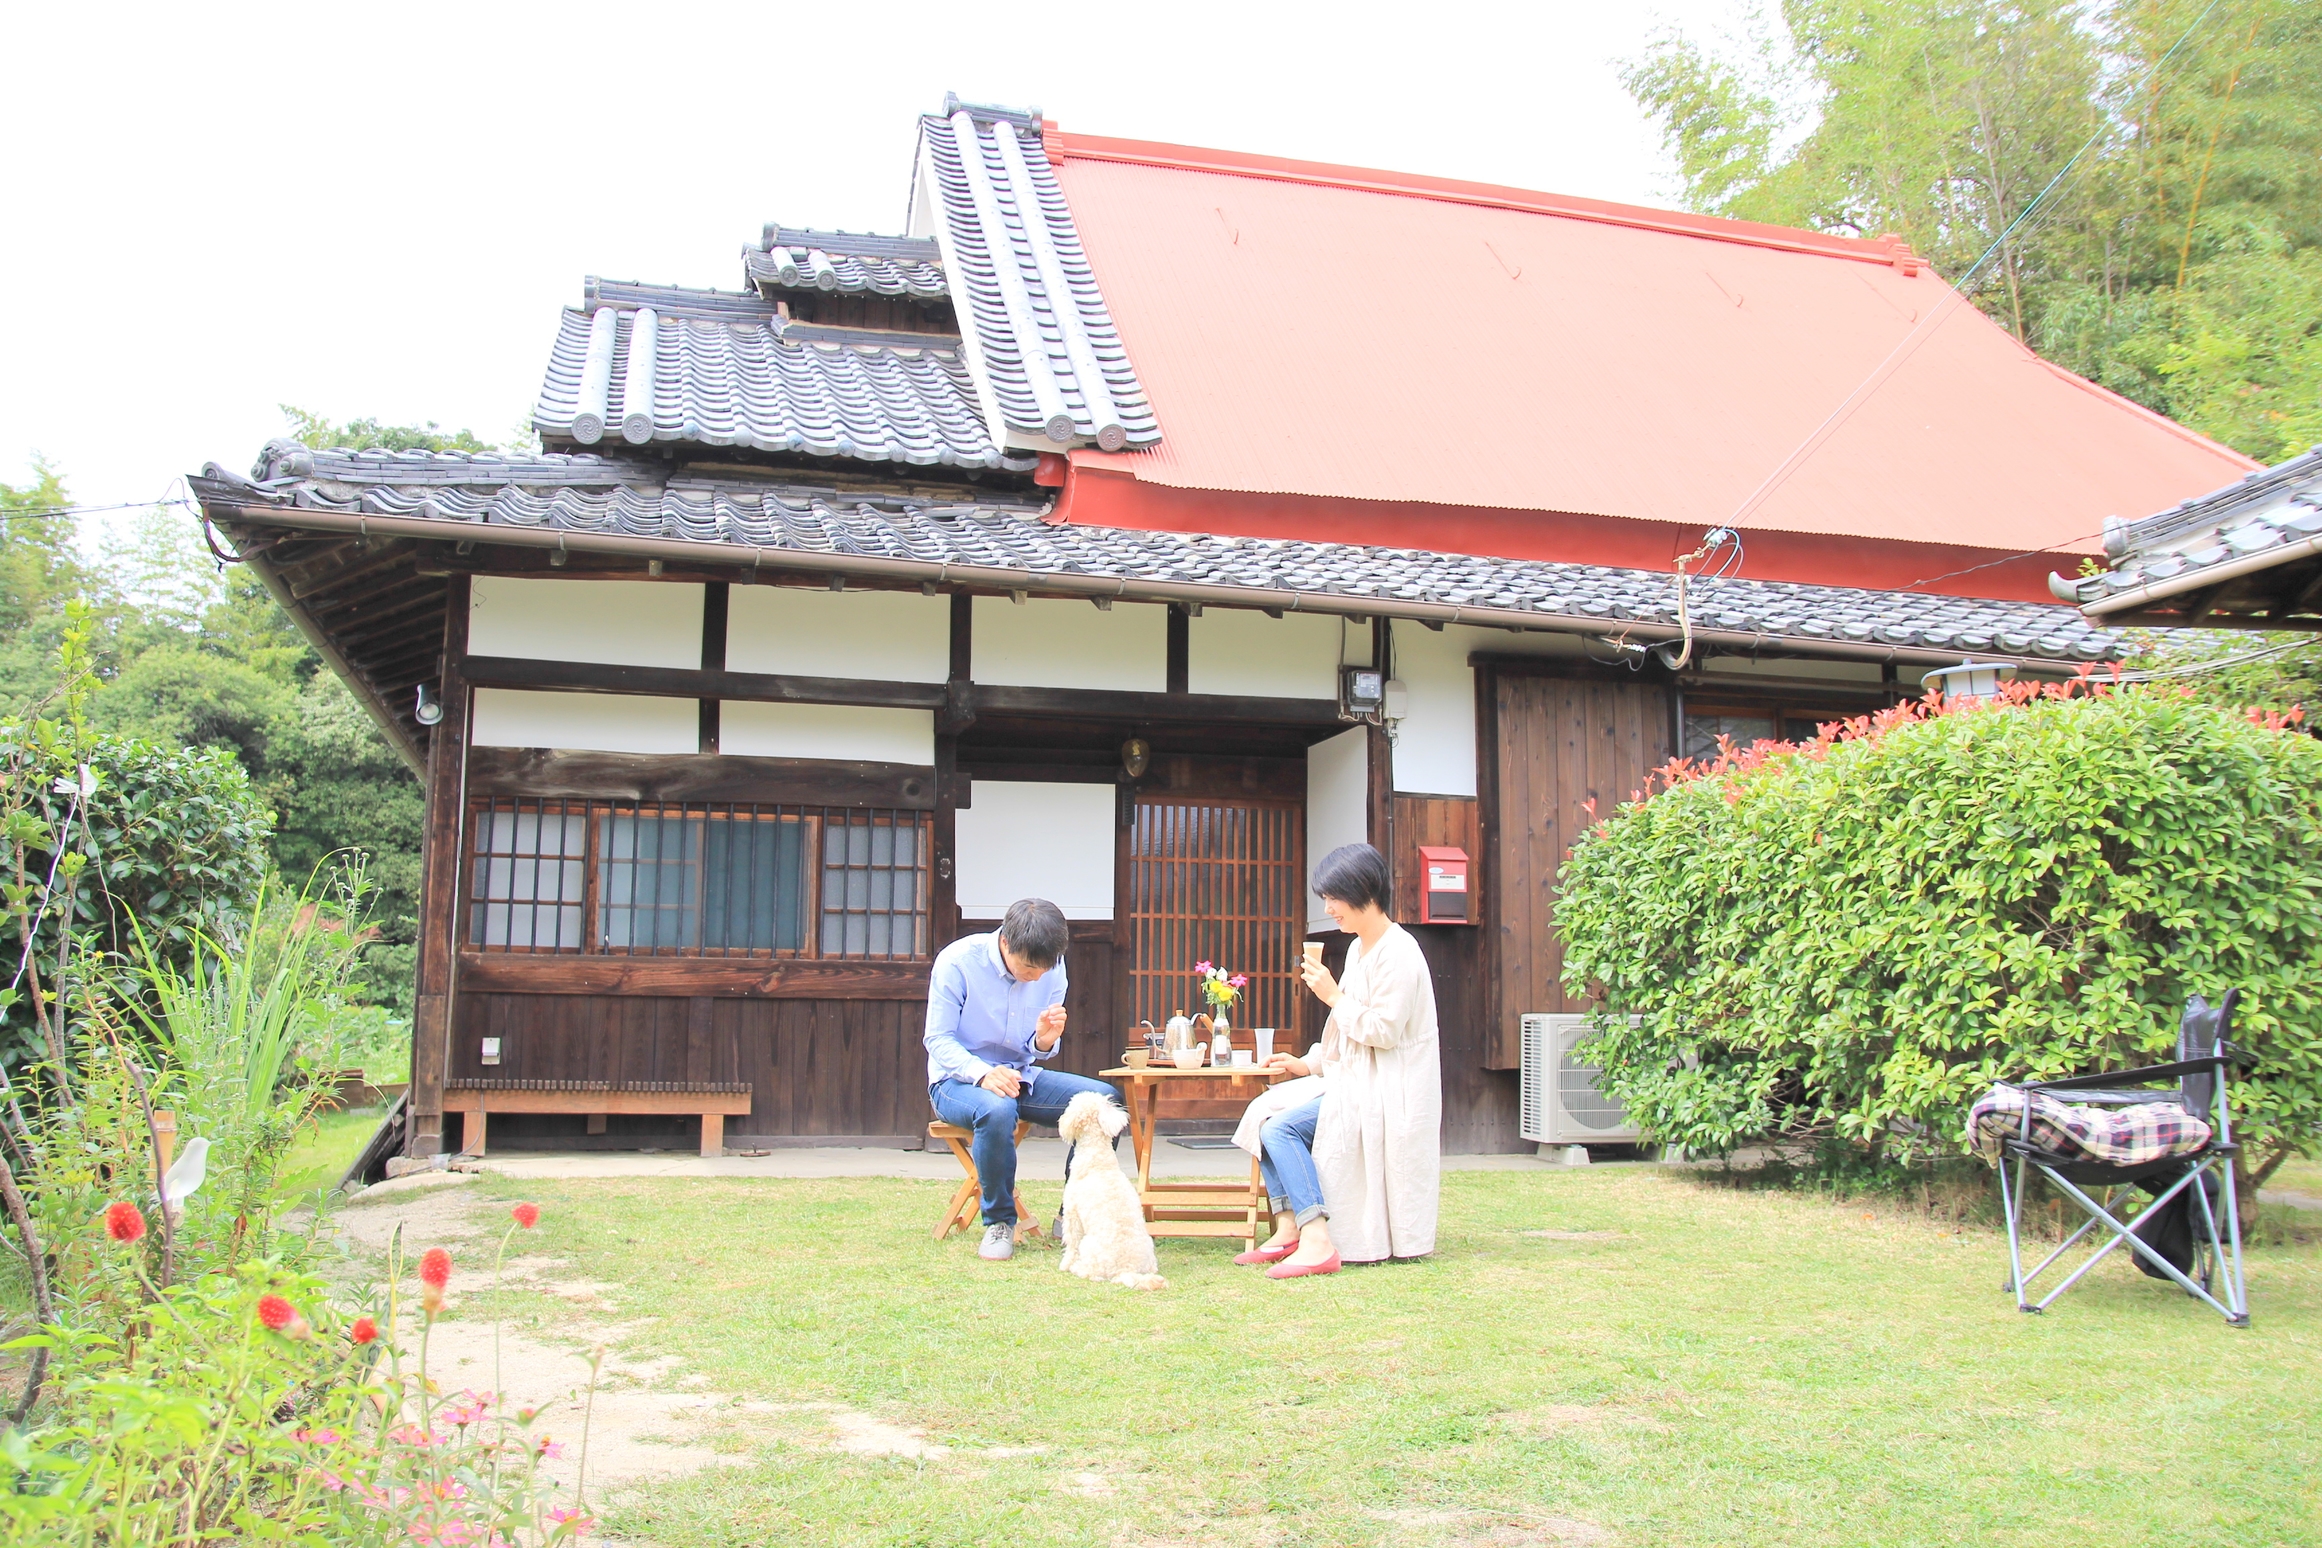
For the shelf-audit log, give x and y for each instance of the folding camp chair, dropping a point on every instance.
(2199, 1069)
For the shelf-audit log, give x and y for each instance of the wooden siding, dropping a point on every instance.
(1453, 822)
(838, 1068)
(1550, 745)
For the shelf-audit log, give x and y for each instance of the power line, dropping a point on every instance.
(53, 512)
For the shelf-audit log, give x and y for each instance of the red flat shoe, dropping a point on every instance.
(1266, 1254)
(1329, 1265)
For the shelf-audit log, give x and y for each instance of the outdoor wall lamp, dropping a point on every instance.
(429, 710)
(1969, 679)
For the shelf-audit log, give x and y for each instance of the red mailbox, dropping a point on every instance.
(1443, 900)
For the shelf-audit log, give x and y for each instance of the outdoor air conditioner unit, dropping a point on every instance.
(1561, 1105)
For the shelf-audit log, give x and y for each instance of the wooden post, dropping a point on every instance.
(715, 600)
(943, 889)
(447, 749)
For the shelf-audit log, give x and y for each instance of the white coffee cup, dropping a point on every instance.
(1241, 1058)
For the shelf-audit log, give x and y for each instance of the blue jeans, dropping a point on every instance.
(1288, 1163)
(1042, 1099)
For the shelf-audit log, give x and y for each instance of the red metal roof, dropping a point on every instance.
(1458, 365)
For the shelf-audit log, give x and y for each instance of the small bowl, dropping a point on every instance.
(1187, 1058)
(1138, 1058)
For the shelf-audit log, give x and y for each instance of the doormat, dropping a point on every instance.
(1204, 1141)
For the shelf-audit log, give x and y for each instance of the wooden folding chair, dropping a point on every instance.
(967, 1203)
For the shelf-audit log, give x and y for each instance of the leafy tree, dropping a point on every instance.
(2174, 262)
(358, 434)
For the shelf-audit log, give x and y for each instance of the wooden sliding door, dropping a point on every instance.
(1552, 745)
(1215, 881)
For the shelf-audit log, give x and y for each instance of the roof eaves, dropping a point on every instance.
(591, 502)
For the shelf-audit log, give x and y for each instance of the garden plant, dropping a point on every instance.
(180, 1368)
(1848, 940)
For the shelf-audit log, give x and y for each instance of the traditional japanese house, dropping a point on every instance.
(1138, 524)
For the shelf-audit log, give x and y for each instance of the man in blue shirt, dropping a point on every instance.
(995, 1008)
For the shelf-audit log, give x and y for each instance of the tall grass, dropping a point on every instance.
(248, 1030)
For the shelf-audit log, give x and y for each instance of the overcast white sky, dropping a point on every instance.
(379, 209)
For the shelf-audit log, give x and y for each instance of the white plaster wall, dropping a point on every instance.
(1050, 841)
(1435, 741)
(1237, 650)
(893, 636)
(623, 623)
(827, 731)
(1046, 643)
(1338, 787)
(586, 722)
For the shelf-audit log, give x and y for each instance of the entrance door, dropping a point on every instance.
(1215, 881)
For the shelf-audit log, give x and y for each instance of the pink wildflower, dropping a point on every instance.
(1239, 980)
(562, 1515)
(551, 1450)
(317, 1437)
(467, 1413)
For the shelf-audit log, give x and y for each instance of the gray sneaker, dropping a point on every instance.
(999, 1244)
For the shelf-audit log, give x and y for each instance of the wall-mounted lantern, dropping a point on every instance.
(1970, 679)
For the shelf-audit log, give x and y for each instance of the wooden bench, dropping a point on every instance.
(712, 1101)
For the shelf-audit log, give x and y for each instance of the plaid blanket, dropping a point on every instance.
(2117, 1136)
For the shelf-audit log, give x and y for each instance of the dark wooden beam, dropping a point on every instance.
(555, 774)
(963, 638)
(1180, 653)
(976, 699)
(943, 902)
(687, 683)
(754, 978)
(1177, 708)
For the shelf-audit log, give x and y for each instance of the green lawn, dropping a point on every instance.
(1617, 1356)
(323, 1151)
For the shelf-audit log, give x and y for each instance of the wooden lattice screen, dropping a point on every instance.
(1220, 882)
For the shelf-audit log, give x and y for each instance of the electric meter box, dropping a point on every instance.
(1443, 900)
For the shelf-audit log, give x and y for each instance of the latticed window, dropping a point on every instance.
(1222, 882)
(719, 880)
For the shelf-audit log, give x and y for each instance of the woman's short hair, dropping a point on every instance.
(1355, 874)
(1034, 929)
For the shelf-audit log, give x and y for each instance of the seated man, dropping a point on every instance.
(995, 1008)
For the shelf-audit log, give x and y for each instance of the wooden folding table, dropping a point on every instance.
(1226, 1209)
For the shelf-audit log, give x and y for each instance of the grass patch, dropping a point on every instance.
(324, 1149)
(1615, 1356)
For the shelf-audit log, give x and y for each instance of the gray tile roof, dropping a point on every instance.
(1044, 341)
(725, 370)
(591, 494)
(2269, 521)
(788, 258)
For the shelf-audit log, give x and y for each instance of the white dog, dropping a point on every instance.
(1104, 1226)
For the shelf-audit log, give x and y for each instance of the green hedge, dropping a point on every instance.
(1856, 937)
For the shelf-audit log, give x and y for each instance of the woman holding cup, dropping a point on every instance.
(1351, 1150)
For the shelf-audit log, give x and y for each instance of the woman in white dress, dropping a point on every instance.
(1352, 1150)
